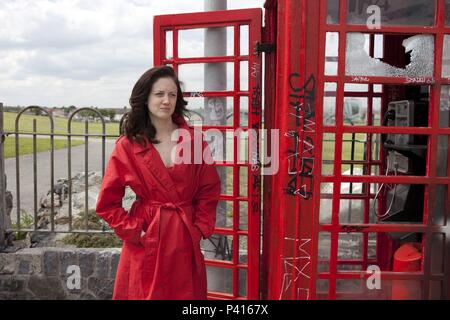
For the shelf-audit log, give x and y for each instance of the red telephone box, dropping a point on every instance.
(359, 91)
(221, 43)
(361, 96)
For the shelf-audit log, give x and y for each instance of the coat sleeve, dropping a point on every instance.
(206, 198)
(109, 202)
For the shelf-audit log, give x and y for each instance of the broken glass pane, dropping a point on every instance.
(446, 57)
(421, 48)
(358, 62)
(391, 12)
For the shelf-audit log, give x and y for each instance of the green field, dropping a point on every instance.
(328, 150)
(43, 126)
(60, 125)
(26, 145)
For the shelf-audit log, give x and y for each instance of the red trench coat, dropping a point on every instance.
(175, 206)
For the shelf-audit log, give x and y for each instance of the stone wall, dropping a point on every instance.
(52, 273)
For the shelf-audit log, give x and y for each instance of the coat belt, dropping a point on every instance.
(153, 231)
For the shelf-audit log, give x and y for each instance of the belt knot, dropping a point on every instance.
(169, 205)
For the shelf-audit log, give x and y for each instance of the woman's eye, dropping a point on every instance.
(173, 95)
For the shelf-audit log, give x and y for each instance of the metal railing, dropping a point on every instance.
(34, 134)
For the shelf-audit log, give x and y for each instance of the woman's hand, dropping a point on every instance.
(198, 235)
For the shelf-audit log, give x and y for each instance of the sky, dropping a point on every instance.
(56, 53)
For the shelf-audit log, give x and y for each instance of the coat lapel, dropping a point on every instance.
(154, 171)
(150, 161)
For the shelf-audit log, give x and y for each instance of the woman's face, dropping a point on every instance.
(162, 99)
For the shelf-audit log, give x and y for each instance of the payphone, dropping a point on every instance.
(405, 154)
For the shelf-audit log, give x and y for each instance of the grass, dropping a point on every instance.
(60, 125)
(328, 150)
(26, 145)
(26, 221)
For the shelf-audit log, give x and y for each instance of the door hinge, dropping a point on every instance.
(264, 47)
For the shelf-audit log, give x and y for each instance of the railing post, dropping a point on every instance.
(2, 184)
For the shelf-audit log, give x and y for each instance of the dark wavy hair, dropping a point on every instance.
(137, 126)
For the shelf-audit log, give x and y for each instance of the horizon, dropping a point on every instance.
(82, 53)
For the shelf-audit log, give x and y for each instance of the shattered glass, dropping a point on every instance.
(421, 48)
(358, 62)
(446, 57)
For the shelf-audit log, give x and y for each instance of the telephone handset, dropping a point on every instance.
(402, 149)
(405, 154)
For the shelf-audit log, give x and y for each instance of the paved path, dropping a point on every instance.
(43, 171)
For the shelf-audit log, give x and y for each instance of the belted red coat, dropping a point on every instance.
(175, 207)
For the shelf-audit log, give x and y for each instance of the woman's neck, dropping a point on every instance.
(164, 128)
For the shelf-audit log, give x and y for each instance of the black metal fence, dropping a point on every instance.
(5, 230)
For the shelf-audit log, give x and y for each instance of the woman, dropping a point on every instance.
(176, 203)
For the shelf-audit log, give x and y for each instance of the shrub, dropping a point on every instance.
(96, 240)
(26, 221)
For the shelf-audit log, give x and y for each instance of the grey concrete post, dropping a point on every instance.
(215, 79)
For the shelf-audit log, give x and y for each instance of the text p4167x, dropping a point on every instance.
(227, 309)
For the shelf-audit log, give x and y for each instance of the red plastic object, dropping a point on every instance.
(407, 258)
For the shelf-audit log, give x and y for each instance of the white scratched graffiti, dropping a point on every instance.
(419, 80)
(296, 267)
(196, 95)
(306, 293)
(309, 126)
(255, 69)
(360, 79)
(288, 276)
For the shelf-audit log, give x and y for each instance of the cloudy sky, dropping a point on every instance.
(80, 52)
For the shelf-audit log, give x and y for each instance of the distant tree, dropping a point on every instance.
(88, 114)
(104, 113)
(37, 111)
(111, 114)
(68, 110)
